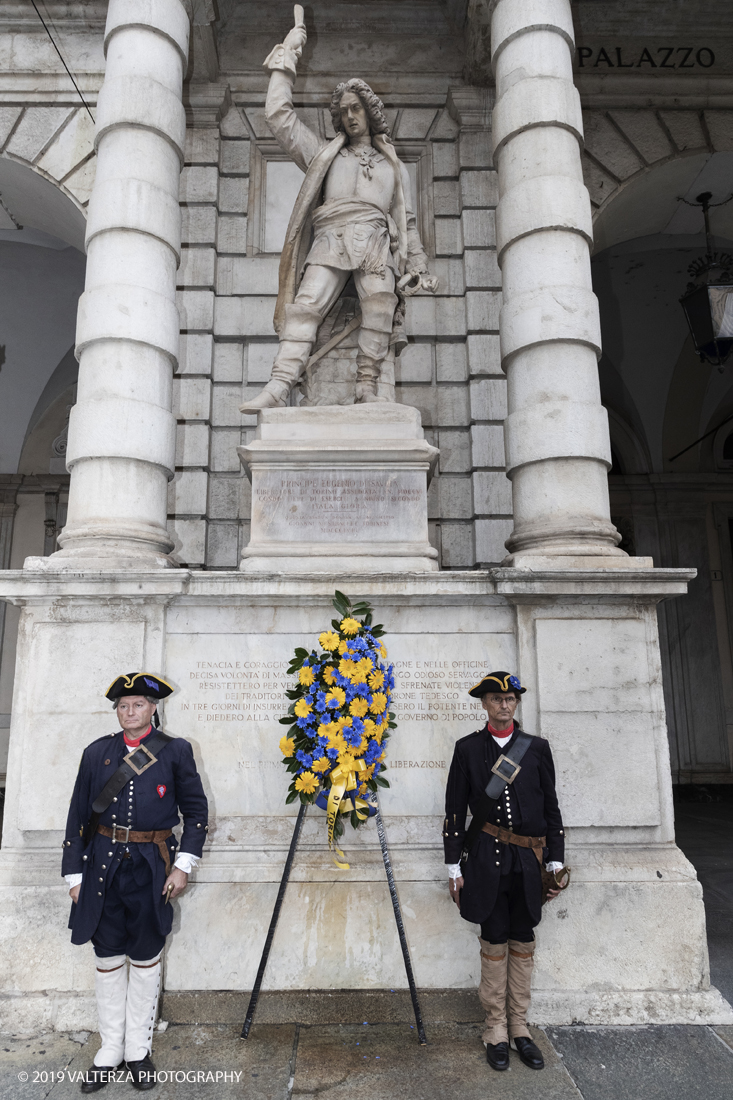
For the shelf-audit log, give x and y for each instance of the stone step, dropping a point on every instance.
(340, 1006)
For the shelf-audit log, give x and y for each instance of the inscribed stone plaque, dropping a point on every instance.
(232, 693)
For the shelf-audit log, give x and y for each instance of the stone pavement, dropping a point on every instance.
(285, 1060)
(385, 1062)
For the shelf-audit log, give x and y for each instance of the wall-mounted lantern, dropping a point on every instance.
(708, 300)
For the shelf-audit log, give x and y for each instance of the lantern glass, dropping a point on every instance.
(709, 313)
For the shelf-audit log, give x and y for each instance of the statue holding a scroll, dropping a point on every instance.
(353, 215)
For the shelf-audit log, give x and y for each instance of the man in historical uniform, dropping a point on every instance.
(122, 869)
(506, 778)
(356, 199)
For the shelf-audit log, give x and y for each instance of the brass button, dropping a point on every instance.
(99, 893)
(108, 761)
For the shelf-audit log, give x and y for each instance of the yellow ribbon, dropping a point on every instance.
(343, 779)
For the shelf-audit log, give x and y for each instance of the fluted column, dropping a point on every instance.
(556, 432)
(121, 444)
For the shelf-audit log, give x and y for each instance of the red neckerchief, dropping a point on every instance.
(136, 744)
(503, 734)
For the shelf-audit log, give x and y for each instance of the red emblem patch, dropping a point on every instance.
(161, 789)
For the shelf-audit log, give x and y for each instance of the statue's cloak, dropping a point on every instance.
(297, 238)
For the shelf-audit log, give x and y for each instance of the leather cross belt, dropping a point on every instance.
(506, 836)
(120, 834)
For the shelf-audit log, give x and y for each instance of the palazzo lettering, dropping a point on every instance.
(646, 57)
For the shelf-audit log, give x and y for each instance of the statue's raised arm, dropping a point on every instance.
(282, 62)
(356, 200)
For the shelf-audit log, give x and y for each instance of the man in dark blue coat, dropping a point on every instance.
(121, 865)
(496, 874)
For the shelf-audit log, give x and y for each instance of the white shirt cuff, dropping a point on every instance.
(554, 866)
(186, 862)
(73, 880)
(454, 871)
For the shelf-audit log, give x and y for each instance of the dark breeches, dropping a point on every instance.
(127, 925)
(510, 918)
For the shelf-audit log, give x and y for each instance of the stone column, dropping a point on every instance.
(122, 432)
(556, 432)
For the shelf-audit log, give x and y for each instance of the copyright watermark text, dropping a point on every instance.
(192, 1076)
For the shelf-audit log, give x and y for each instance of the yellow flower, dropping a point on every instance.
(343, 646)
(306, 676)
(379, 702)
(349, 626)
(287, 746)
(370, 727)
(336, 694)
(359, 707)
(346, 761)
(376, 679)
(362, 747)
(364, 666)
(383, 650)
(329, 673)
(361, 790)
(302, 709)
(328, 640)
(321, 764)
(336, 741)
(343, 721)
(323, 729)
(306, 782)
(347, 668)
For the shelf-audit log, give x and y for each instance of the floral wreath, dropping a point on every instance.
(340, 720)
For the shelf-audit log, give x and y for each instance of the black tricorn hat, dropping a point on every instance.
(139, 683)
(503, 683)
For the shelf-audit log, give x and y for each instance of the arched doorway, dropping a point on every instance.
(671, 501)
(42, 266)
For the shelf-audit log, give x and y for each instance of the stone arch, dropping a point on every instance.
(56, 144)
(644, 159)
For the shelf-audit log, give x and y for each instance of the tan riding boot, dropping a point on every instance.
(492, 991)
(519, 981)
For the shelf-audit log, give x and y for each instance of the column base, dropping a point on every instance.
(541, 562)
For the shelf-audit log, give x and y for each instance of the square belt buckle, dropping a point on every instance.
(121, 828)
(141, 748)
(505, 760)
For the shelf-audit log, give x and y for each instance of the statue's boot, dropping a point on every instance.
(377, 317)
(297, 337)
(519, 981)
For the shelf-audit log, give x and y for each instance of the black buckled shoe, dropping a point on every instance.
(143, 1073)
(98, 1076)
(497, 1055)
(529, 1052)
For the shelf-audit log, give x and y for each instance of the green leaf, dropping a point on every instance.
(336, 624)
(291, 797)
(382, 782)
(287, 721)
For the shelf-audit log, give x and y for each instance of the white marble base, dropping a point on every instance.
(339, 489)
(625, 944)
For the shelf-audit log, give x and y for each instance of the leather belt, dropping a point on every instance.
(120, 834)
(506, 836)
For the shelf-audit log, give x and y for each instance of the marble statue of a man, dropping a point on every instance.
(356, 199)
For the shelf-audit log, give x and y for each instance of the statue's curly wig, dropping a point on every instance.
(372, 105)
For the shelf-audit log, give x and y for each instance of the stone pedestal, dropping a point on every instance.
(625, 944)
(339, 489)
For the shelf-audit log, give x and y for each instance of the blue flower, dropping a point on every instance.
(305, 723)
(359, 644)
(351, 736)
(334, 704)
(373, 751)
(514, 682)
(362, 689)
(305, 758)
(351, 692)
(306, 662)
(321, 701)
(332, 753)
(322, 742)
(358, 725)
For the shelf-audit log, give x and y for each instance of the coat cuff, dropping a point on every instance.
(186, 862)
(73, 880)
(281, 59)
